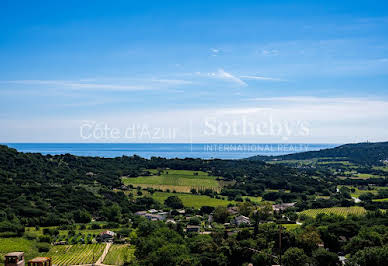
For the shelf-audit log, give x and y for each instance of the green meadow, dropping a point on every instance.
(178, 180)
(380, 200)
(12, 244)
(191, 200)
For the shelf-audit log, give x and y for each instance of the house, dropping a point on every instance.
(14, 259)
(181, 211)
(60, 243)
(163, 214)
(141, 213)
(233, 210)
(282, 206)
(172, 221)
(241, 219)
(40, 261)
(106, 236)
(155, 217)
(193, 228)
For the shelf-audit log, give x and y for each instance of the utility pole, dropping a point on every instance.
(280, 245)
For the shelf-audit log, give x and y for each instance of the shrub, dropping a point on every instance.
(43, 247)
(95, 226)
(45, 238)
(30, 235)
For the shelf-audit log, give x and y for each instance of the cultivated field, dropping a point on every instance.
(75, 254)
(343, 211)
(11, 244)
(190, 200)
(118, 254)
(178, 180)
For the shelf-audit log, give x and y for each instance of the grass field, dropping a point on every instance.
(253, 199)
(118, 254)
(17, 244)
(83, 232)
(380, 200)
(366, 176)
(75, 254)
(290, 227)
(178, 180)
(382, 168)
(190, 200)
(343, 211)
(358, 192)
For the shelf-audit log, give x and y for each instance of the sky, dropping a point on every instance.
(194, 71)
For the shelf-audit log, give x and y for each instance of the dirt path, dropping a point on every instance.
(101, 259)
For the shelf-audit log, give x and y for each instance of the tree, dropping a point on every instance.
(174, 202)
(169, 254)
(112, 213)
(245, 208)
(322, 257)
(308, 239)
(294, 257)
(195, 221)
(262, 259)
(221, 214)
(365, 238)
(263, 213)
(376, 256)
(81, 216)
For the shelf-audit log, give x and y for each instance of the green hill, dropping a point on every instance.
(361, 153)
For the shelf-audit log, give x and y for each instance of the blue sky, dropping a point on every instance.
(181, 64)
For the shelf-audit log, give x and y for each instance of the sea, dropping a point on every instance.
(169, 150)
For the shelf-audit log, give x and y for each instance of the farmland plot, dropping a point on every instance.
(118, 254)
(75, 254)
(343, 211)
(178, 180)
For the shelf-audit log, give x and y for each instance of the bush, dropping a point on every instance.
(294, 257)
(95, 226)
(45, 238)
(173, 202)
(30, 235)
(43, 247)
(322, 257)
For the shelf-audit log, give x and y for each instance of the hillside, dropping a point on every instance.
(362, 153)
(52, 190)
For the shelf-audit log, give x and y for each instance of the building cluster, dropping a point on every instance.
(173, 217)
(17, 259)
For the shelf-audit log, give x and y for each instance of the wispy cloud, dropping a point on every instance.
(76, 85)
(261, 78)
(138, 85)
(227, 76)
(270, 52)
(220, 74)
